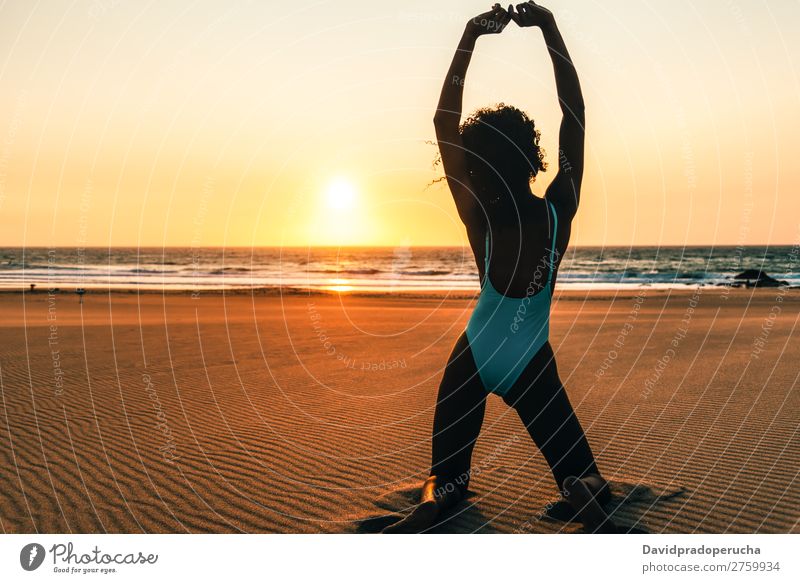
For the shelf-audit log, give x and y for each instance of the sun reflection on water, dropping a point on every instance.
(339, 285)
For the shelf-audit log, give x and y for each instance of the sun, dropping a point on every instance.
(342, 215)
(341, 194)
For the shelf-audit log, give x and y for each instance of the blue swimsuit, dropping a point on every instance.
(505, 333)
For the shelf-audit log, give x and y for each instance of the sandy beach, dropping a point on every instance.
(234, 413)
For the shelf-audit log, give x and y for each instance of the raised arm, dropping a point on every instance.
(448, 114)
(564, 191)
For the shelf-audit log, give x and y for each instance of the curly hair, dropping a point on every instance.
(502, 150)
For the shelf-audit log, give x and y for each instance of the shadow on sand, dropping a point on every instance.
(399, 503)
(628, 507)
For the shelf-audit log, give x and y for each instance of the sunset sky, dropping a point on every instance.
(271, 123)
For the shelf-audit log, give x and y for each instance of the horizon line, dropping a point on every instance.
(575, 246)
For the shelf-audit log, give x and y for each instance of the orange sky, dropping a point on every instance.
(226, 123)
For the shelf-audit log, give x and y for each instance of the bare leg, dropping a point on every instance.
(544, 408)
(460, 407)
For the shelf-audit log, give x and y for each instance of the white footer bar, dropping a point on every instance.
(370, 558)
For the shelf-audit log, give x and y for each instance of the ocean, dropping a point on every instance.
(381, 270)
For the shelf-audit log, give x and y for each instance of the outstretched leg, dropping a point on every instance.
(543, 406)
(460, 407)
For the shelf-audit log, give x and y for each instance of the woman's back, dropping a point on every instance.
(520, 250)
(506, 331)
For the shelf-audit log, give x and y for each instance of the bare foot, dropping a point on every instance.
(579, 493)
(421, 518)
(598, 487)
(435, 498)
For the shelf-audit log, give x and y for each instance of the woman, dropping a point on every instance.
(517, 239)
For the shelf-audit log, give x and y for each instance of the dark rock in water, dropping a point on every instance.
(758, 278)
(751, 274)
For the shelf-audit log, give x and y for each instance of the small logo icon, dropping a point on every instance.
(31, 556)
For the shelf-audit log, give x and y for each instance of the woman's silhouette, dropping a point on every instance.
(517, 239)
